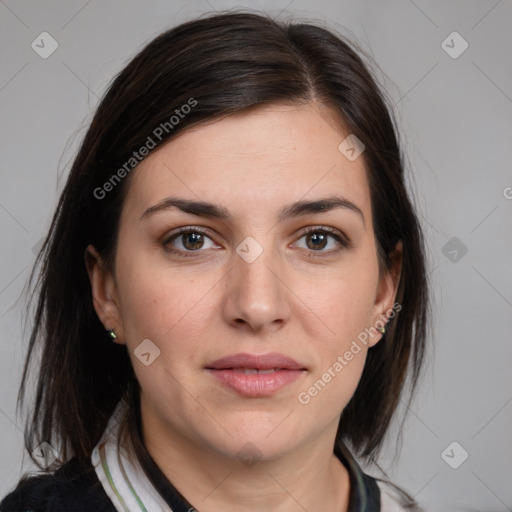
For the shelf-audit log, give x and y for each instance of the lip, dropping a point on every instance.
(278, 371)
(260, 362)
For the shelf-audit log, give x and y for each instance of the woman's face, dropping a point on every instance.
(247, 280)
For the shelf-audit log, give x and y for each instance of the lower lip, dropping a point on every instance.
(257, 384)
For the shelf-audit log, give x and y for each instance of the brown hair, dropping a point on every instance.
(226, 63)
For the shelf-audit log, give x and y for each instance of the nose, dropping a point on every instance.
(256, 295)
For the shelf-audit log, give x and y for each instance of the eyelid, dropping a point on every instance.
(186, 229)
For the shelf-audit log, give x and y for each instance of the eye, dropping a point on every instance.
(318, 238)
(188, 240)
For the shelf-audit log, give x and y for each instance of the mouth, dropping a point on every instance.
(255, 371)
(242, 361)
(255, 375)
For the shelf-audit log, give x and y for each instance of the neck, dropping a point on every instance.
(309, 478)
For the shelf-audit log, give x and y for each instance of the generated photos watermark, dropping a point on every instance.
(305, 397)
(137, 156)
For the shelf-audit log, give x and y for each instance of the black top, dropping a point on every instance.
(74, 488)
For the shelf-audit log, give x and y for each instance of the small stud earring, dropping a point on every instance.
(382, 329)
(112, 334)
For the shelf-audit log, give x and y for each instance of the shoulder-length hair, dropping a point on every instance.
(218, 65)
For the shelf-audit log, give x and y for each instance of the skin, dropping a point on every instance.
(307, 305)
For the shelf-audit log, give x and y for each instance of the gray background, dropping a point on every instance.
(455, 116)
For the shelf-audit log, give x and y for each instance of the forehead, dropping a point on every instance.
(253, 161)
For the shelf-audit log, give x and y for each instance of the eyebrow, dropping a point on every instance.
(296, 209)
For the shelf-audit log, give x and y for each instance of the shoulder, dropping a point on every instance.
(394, 499)
(71, 487)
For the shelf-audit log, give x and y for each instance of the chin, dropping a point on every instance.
(251, 449)
(265, 440)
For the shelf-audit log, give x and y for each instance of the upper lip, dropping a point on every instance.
(260, 362)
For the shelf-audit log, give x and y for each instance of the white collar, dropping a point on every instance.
(122, 476)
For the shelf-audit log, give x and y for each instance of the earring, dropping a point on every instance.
(112, 334)
(382, 329)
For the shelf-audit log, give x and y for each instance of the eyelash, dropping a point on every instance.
(345, 243)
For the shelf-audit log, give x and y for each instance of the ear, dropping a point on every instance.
(386, 292)
(104, 293)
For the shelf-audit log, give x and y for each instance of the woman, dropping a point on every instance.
(233, 288)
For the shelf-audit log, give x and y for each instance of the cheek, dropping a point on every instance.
(170, 309)
(162, 304)
(344, 304)
(343, 299)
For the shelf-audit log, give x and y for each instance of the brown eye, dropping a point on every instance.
(188, 241)
(192, 240)
(318, 239)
